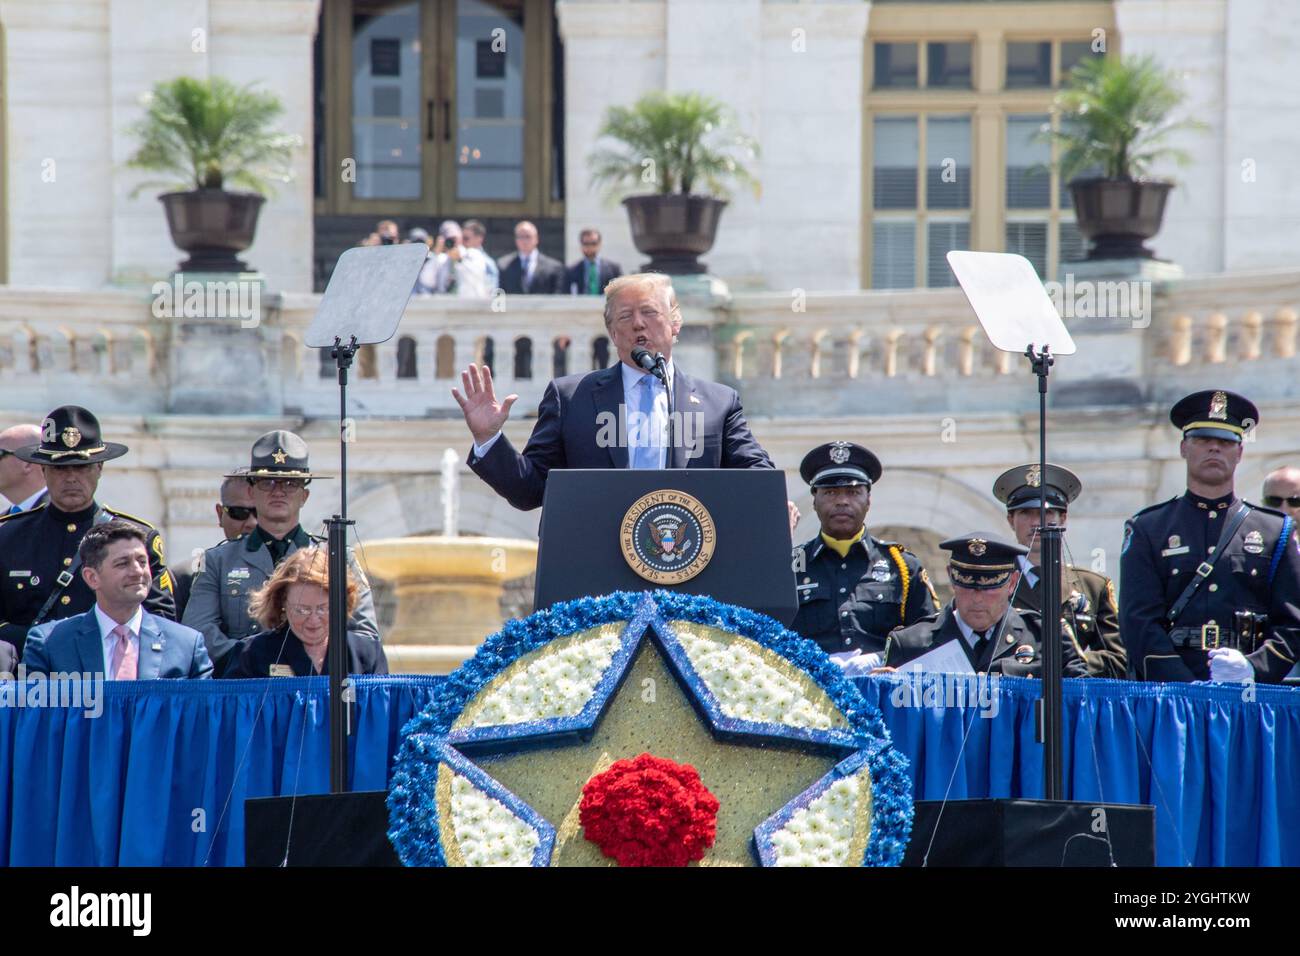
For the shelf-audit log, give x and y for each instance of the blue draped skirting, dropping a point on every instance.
(161, 775)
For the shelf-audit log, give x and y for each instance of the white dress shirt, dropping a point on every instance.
(657, 433)
(972, 637)
(27, 503)
(108, 640)
(1026, 571)
(631, 402)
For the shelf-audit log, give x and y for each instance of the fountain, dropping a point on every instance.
(448, 587)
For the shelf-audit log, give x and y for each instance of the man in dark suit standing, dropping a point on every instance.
(590, 274)
(614, 417)
(528, 271)
(117, 637)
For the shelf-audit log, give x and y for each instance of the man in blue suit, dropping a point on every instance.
(615, 417)
(116, 637)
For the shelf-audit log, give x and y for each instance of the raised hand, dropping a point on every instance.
(484, 415)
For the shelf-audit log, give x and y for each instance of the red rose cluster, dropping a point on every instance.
(649, 811)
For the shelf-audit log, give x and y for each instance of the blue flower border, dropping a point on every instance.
(413, 817)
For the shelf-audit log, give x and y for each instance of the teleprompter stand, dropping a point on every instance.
(1018, 316)
(362, 305)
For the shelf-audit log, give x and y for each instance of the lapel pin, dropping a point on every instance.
(694, 400)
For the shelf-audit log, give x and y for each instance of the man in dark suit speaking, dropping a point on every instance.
(615, 417)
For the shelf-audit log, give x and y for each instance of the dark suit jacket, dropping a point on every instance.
(73, 646)
(1020, 637)
(548, 276)
(256, 654)
(575, 277)
(576, 410)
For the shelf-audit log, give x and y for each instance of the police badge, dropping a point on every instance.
(839, 452)
(1034, 477)
(978, 546)
(1254, 543)
(71, 437)
(1219, 406)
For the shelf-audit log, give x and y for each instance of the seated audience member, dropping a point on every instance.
(293, 609)
(996, 637)
(117, 636)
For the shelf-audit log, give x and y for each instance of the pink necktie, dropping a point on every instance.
(124, 654)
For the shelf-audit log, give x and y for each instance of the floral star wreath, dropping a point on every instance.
(758, 708)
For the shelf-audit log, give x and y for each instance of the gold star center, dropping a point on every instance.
(279, 456)
(650, 713)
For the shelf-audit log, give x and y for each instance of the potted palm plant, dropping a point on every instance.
(206, 135)
(1116, 119)
(678, 153)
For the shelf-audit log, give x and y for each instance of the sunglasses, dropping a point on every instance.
(269, 484)
(1274, 501)
(239, 513)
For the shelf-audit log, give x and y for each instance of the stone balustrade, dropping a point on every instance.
(832, 353)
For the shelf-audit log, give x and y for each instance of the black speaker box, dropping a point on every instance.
(1031, 833)
(333, 829)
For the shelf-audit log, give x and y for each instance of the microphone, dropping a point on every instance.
(652, 362)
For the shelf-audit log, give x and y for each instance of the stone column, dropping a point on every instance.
(808, 82)
(58, 161)
(613, 54)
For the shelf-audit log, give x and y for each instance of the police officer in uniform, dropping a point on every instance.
(232, 570)
(853, 589)
(996, 638)
(1089, 613)
(1211, 583)
(40, 571)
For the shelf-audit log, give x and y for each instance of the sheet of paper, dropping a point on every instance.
(947, 658)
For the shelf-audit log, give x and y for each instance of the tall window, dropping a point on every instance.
(951, 116)
(921, 189)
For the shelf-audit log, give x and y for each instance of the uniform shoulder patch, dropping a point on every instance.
(129, 517)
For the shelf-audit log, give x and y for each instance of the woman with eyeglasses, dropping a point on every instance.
(293, 609)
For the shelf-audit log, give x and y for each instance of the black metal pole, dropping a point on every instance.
(336, 654)
(1049, 543)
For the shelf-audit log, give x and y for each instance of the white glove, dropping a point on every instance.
(1230, 665)
(854, 663)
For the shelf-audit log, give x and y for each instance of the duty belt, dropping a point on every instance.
(1205, 638)
(1246, 635)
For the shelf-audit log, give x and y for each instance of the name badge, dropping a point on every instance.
(1170, 552)
(20, 574)
(281, 670)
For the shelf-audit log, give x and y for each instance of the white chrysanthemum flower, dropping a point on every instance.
(821, 833)
(487, 833)
(749, 688)
(556, 685)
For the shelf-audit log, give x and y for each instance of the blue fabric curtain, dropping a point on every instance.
(160, 776)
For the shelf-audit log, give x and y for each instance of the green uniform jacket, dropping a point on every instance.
(1089, 617)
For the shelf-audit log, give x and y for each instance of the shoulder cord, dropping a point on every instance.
(1282, 539)
(896, 552)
